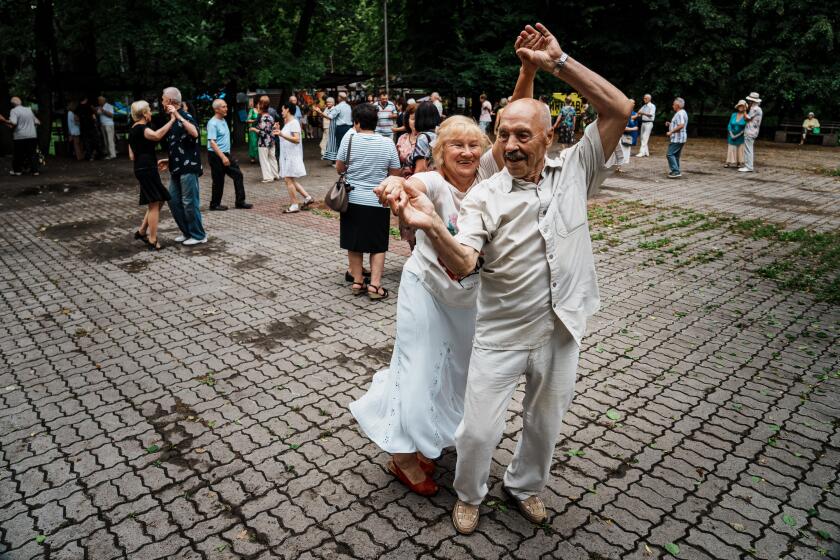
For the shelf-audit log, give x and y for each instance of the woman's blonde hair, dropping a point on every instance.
(139, 109)
(457, 126)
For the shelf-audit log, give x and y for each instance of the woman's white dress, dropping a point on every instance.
(291, 154)
(418, 401)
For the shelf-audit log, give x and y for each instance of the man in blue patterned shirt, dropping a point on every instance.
(184, 166)
(679, 135)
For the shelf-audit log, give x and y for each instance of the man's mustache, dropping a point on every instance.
(515, 155)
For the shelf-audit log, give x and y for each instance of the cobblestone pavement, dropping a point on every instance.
(193, 403)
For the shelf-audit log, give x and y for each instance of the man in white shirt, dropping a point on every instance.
(754, 116)
(528, 222)
(435, 99)
(342, 115)
(646, 114)
(23, 121)
(106, 121)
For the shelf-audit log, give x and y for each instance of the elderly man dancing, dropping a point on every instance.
(538, 287)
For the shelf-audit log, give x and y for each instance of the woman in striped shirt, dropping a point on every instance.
(365, 224)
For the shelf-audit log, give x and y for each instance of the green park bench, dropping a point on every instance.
(828, 134)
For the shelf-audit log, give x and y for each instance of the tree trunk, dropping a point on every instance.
(302, 32)
(44, 41)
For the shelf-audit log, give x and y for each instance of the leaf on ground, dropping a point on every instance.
(648, 551)
(40, 539)
(154, 448)
(575, 453)
(672, 549)
(738, 526)
(200, 450)
(243, 535)
(789, 520)
(221, 547)
(294, 445)
(824, 535)
(613, 414)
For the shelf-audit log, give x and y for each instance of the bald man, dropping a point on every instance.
(525, 232)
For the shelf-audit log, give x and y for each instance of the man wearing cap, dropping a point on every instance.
(751, 131)
(525, 232)
(808, 126)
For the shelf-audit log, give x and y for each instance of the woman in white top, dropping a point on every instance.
(412, 408)
(291, 158)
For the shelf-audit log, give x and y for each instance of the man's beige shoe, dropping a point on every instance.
(533, 508)
(465, 517)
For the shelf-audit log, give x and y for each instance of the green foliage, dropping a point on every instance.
(711, 52)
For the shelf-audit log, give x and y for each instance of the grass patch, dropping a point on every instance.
(654, 243)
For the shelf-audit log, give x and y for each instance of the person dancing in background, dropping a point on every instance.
(142, 141)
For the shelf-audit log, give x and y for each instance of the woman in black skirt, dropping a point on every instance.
(367, 158)
(141, 149)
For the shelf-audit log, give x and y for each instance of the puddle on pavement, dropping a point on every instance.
(114, 249)
(71, 230)
(209, 249)
(788, 203)
(297, 328)
(133, 267)
(251, 263)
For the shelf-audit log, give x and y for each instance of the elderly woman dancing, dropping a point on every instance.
(412, 408)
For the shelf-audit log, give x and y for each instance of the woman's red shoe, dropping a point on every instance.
(427, 487)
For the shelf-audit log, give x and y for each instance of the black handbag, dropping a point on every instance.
(337, 197)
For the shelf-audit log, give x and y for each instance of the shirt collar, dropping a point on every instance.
(549, 164)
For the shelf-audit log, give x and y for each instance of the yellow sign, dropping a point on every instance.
(559, 99)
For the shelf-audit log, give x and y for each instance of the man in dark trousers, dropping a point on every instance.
(221, 162)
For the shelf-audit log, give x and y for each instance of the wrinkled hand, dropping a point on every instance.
(163, 165)
(225, 161)
(414, 208)
(540, 47)
(531, 41)
(389, 189)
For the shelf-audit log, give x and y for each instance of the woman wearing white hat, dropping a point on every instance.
(751, 132)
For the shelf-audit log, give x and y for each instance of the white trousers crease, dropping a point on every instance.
(110, 141)
(268, 164)
(749, 152)
(646, 128)
(550, 372)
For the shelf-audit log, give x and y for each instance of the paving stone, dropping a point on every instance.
(242, 372)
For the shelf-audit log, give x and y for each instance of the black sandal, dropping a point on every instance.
(141, 237)
(361, 290)
(377, 295)
(349, 277)
(153, 246)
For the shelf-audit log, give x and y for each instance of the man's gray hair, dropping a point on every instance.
(330, 99)
(342, 95)
(217, 103)
(16, 101)
(174, 94)
(680, 101)
(647, 95)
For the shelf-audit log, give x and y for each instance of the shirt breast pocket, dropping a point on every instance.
(569, 212)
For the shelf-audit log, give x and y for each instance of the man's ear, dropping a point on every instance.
(549, 137)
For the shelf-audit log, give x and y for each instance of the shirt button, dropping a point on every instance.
(554, 284)
(551, 257)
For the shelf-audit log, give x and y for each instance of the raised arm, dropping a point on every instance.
(612, 105)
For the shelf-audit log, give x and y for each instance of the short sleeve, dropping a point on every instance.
(294, 127)
(342, 149)
(589, 155)
(13, 117)
(473, 220)
(212, 131)
(393, 156)
(432, 181)
(423, 147)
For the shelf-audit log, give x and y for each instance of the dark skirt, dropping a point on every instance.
(365, 229)
(151, 187)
